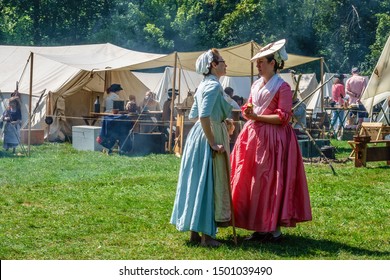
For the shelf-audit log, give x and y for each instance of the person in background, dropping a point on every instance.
(299, 116)
(239, 100)
(268, 179)
(355, 87)
(189, 100)
(131, 105)
(202, 199)
(338, 94)
(167, 107)
(166, 114)
(228, 94)
(12, 120)
(149, 103)
(112, 94)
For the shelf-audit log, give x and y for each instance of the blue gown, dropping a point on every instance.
(194, 206)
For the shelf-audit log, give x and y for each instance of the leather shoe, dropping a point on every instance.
(256, 236)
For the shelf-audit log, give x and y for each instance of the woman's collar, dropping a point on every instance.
(212, 77)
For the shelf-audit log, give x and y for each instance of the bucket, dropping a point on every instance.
(329, 152)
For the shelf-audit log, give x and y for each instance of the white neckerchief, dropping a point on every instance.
(262, 97)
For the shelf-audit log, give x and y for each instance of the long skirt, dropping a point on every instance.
(202, 196)
(11, 135)
(268, 179)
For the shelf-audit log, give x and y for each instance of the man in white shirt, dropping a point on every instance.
(355, 87)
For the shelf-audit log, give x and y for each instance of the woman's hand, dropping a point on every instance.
(249, 109)
(249, 114)
(218, 148)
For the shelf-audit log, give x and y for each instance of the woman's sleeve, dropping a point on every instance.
(194, 110)
(284, 110)
(209, 97)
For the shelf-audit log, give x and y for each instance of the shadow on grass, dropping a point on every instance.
(4, 154)
(343, 150)
(292, 246)
(8, 154)
(383, 167)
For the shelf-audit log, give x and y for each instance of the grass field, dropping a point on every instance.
(60, 203)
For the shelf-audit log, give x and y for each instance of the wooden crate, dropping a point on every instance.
(37, 136)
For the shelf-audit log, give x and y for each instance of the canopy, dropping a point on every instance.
(237, 59)
(67, 79)
(378, 87)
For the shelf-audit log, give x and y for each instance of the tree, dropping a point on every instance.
(343, 29)
(50, 22)
(197, 24)
(345, 32)
(382, 34)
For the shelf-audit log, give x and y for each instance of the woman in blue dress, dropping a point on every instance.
(202, 198)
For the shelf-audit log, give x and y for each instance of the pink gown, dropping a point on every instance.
(268, 179)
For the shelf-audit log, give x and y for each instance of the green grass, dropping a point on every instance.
(60, 203)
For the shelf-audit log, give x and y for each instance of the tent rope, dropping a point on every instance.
(24, 70)
(181, 68)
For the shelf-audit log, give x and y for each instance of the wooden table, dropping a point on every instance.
(90, 120)
(370, 151)
(154, 115)
(93, 117)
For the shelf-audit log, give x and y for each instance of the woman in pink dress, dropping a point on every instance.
(268, 179)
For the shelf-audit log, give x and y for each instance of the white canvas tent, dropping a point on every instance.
(159, 83)
(314, 102)
(242, 85)
(378, 87)
(238, 76)
(61, 72)
(189, 81)
(65, 80)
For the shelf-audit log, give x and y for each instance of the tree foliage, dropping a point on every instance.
(345, 32)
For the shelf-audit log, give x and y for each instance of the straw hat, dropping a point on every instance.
(275, 47)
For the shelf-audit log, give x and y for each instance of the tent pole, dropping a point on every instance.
(48, 111)
(179, 86)
(322, 81)
(30, 102)
(172, 106)
(107, 83)
(107, 80)
(251, 62)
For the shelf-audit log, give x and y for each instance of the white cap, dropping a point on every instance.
(203, 62)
